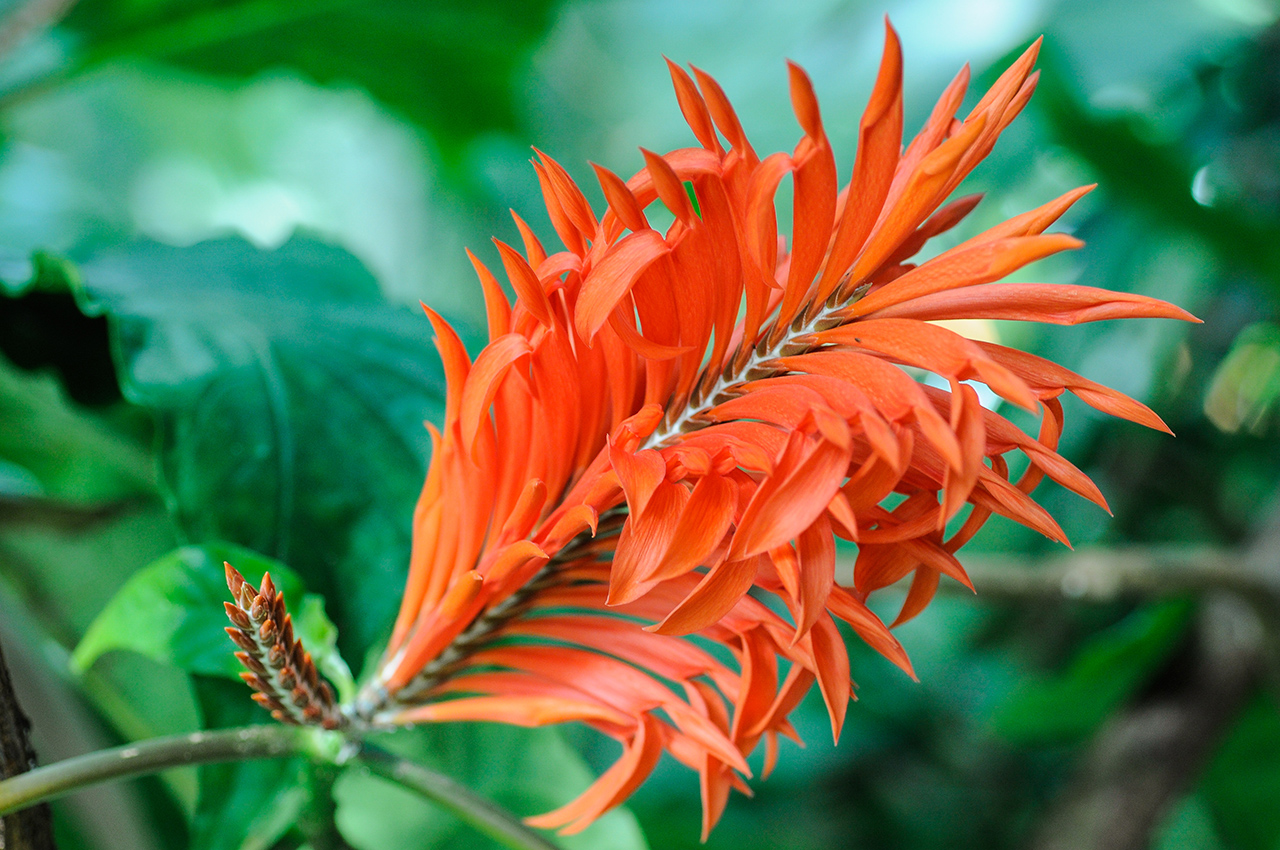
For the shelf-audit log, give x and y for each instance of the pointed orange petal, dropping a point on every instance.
(639, 473)
(1048, 377)
(525, 281)
(923, 587)
(517, 710)
(702, 526)
(817, 551)
(1036, 302)
(483, 382)
(612, 278)
(668, 186)
(693, 107)
(570, 196)
(869, 627)
(527, 509)
(879, 144)
(513, 557)
(833, 671)
(532, 246)
(776, 515)
(644, 541)
(959, 269)
(614, 785)
(622, 203)
(497, 308)
(716, 594)
(935, 348)
(453, 354)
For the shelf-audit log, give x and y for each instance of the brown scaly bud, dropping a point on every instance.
(234, 580)
(279, 669)
(240, 639)
(240, 618)
(252, 663)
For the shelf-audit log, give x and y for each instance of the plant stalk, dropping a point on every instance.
(479, 813)
(257, 742)
(55, 780)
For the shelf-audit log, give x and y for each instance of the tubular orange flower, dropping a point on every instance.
(663, 422)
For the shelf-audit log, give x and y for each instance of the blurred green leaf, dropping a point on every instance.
(245, 805)
(291, 399)
(1246, 384)
(448, 65)
(72, 454)
(527, 771)
(1242, 783)
(1106, 671)
(172, 611)
(1190, 824)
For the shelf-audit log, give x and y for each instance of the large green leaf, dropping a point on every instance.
(291, 399)
(172, 612)
(527, 771)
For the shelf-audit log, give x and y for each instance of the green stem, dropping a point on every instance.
(151, 756)
(470, 808)
(257, 742)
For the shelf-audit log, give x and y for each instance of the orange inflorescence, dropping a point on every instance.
(280, 670)
(663, 422)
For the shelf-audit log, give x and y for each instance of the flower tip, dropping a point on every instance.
(805, 102)
(234, 579)
(891, 38)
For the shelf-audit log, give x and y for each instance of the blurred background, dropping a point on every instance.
(216, 217)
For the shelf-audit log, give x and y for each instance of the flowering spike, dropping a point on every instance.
(666, 427)
(281, 672)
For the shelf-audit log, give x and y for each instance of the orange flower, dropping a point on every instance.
(663, 422)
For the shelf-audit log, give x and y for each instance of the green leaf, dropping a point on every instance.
(291, 399)
(172, 611)
(247, 805)
(1105, 672)
(1246, 384)
(1190, 824)
(71, 453)
(1242, 783)
(448, 65)
(527, 771)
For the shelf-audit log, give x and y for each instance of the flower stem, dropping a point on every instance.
(55, 780)
(476, 811)
(257, 742)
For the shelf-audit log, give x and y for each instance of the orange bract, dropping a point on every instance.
(664, 422)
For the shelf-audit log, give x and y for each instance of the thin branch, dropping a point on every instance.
(1104, 575)
(476, 811)
(268, 741)
(151, 756)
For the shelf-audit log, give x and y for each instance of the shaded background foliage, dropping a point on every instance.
(215, 218)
